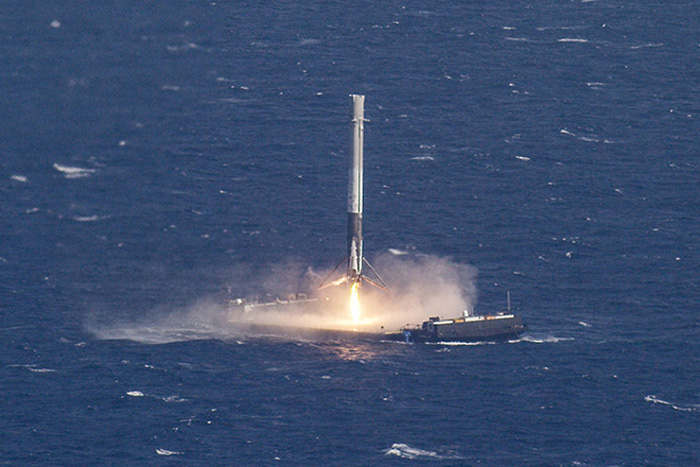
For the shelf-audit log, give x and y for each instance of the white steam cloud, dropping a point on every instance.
(421, 286)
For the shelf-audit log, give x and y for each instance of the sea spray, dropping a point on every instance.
(421, 286)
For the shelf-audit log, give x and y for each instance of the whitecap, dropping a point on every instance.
(405, 451)
(683, 408)
(73, 172)
(19, 178)
(173, 399)
(586, 138)
(573, 39)
(589, 139)
(165, 452)
(557, 28)
(544, 339)
(584, 324)
(644, 46)
(134, 393)
(87, 218)
(40, 370)
(397, 252)
(458, 343)
(523, 158)
(423, 158)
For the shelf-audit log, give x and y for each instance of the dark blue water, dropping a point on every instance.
(156, 154)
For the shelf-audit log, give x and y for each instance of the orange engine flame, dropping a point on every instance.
(355, 301)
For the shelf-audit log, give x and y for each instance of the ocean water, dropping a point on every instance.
(157, 157)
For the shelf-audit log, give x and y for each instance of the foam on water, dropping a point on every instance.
(158, 334)
(645, 46)
(675, 406)
(165, 452)
(88, 218)
(33, 369)
(573, 39)
(73, 172)
(405, 451)
(174, 399)
(457, 344)
(542, 339)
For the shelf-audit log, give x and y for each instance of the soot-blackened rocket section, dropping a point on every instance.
(355, 256)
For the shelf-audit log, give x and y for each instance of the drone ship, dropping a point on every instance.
(465, 328)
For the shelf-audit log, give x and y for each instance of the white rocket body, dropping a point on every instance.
(355, 255)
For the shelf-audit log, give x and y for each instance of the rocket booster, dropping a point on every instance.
(355, 254)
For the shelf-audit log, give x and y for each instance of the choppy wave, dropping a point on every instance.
(155, 335)
(595, 85)
(165, 452)
(173, 399)
(73, 172)
(573, 39)
(405, 451)
(458, 343)
(533, 339)
(88, 218)
(539, 339)
(588, 138)
(645, 46)
(675, 406)
(34, 369)
(167, 399)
